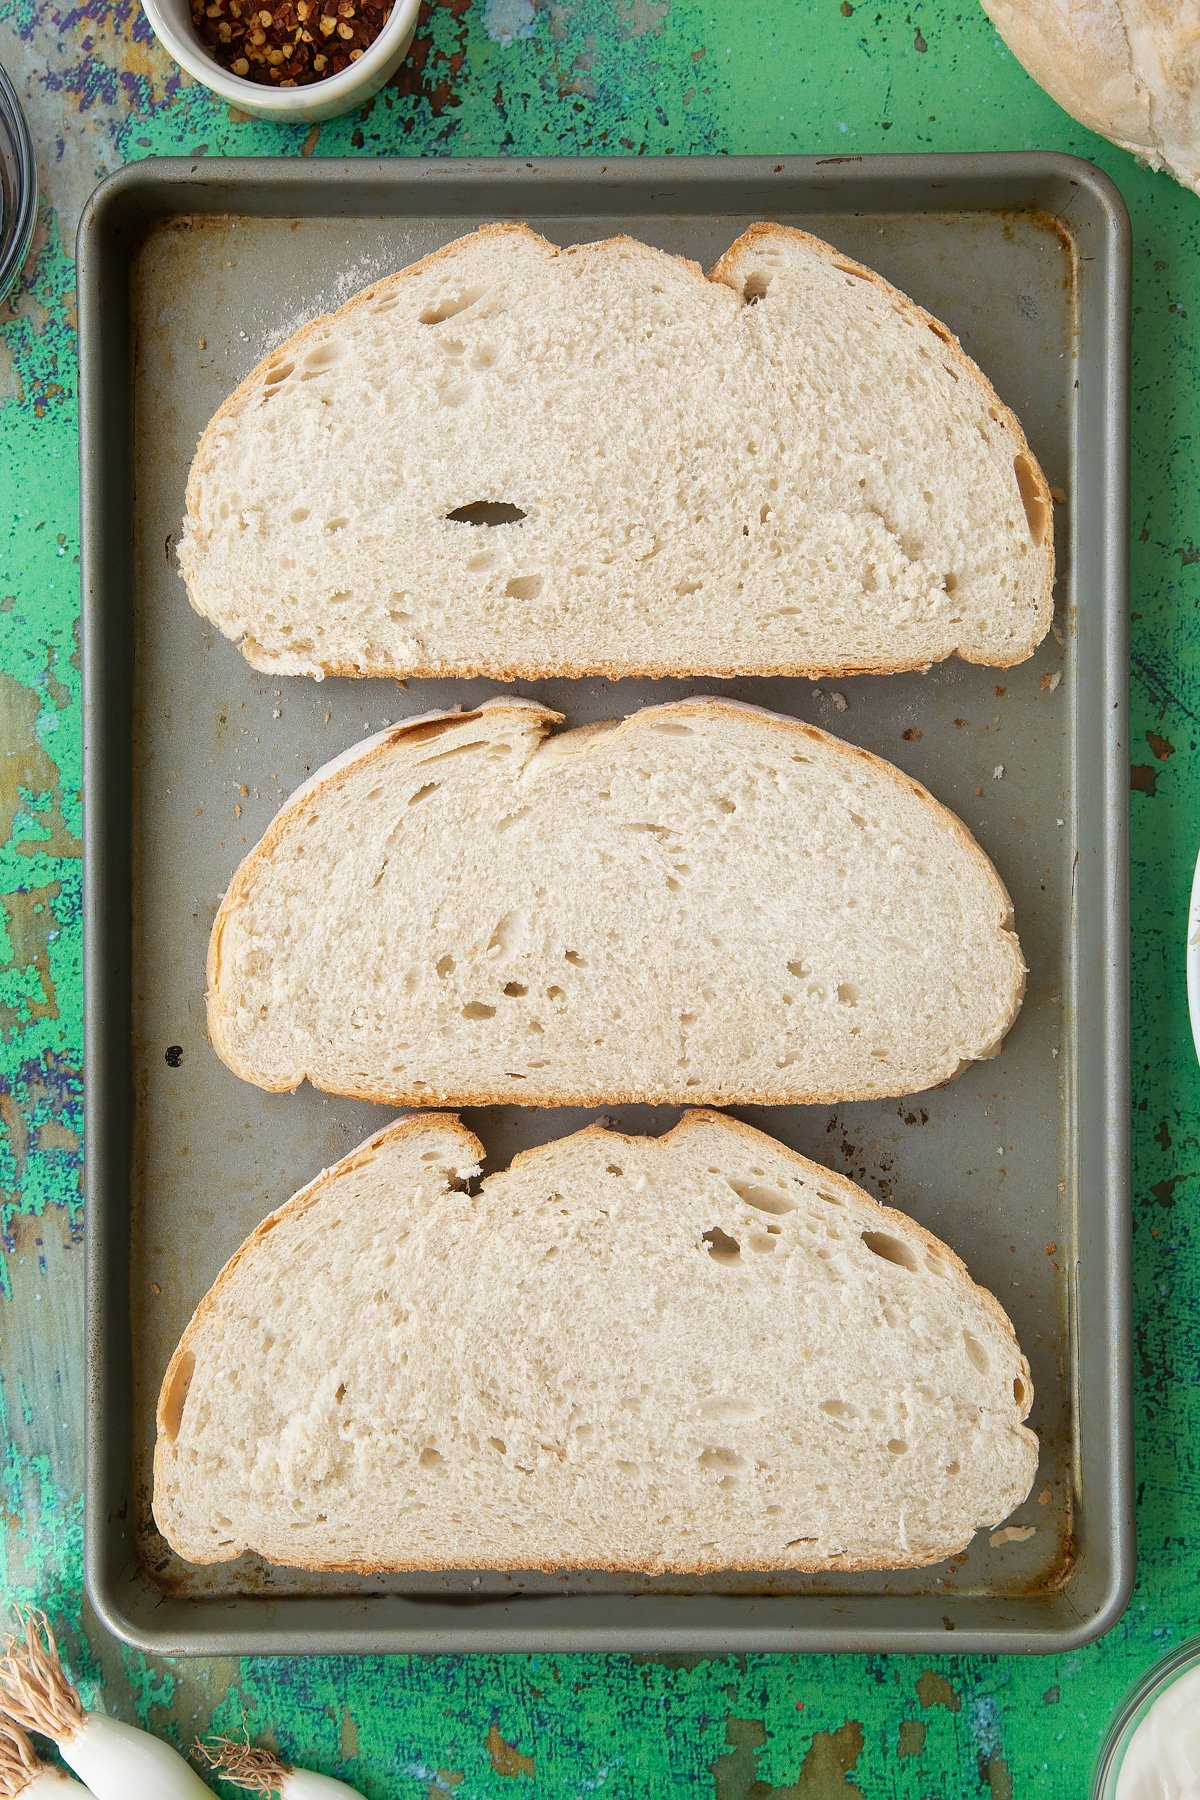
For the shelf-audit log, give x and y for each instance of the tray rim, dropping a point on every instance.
(1045, 1621)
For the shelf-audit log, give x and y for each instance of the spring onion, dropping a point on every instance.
(23, 1774)
(260, 1771)
(116, 1761)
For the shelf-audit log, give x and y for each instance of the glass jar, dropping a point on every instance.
(18, 186)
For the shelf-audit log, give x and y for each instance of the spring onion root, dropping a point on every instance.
(23, 1776)
(116, 1761)
(260, 1771)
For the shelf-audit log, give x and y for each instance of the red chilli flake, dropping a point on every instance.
(292, 43)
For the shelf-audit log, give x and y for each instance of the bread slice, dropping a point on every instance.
(516, 460)
(703, 902)
(693, 1352)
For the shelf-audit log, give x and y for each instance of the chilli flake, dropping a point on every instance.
(23, 1776)
(260, 1771)
(116, 1761)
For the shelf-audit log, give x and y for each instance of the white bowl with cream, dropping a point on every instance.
(1153, 1749)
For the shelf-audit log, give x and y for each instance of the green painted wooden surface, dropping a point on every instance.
(618, 77)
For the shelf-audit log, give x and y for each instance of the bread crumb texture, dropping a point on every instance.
(596, 459)
(694, 1352)
(704, 902)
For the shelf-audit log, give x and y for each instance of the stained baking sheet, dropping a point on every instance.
(189, 272)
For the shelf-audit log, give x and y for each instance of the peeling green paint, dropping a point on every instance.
(545, 77)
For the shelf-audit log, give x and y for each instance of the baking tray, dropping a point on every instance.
(188, 273)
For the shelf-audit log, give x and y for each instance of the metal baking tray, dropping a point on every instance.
(188, 273)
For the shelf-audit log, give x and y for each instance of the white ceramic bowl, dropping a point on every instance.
(171, 21)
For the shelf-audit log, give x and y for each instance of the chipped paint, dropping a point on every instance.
(527, 78)
(506, 20)
(505, 1758)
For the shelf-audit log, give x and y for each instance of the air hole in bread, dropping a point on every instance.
(438, 311)
(727, 1409)
(670, 728)
(628, 1468)
(1020, 1390)
(683, 588)
(487, 512)
(478, 1009)
(451, 346)
(516, 990)
(853, 273)
(762, 1243)
(555, 993)
(573, 957)
(1037, 508)
(423, 793)
(839, 1409)
(498, 1444)
(275, 373)
(445, 965)
(321, 356)
(721, 1247)
(613, 1169)
(755, 287)
(762, 1199)
(847, 994)
(524, 587)
(481, 562)
(509, 933)
(898, 1446)
(977, 1356)
(455, 750)
(175, 1398)
(890, 1249)
(721, 1457)
(431, 1458)
(954, 1468)
(341, 1392)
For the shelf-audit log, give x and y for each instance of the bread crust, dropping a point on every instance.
(734, 1094)
(694, 1119)
(722, 273)
(1125, 68)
